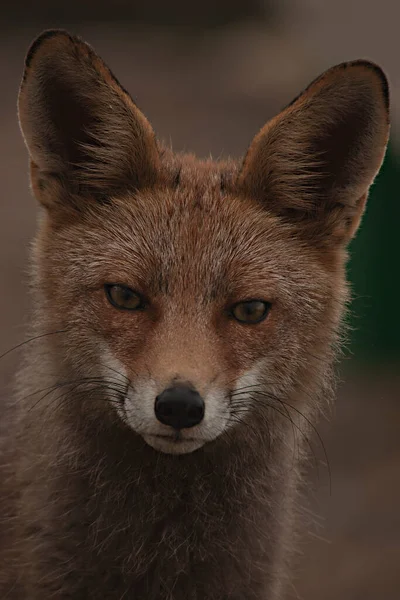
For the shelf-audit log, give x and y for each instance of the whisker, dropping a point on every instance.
(287, 415)
(76, 384)
(32, 339)
(72, 382)
(114, 396)
(118, 372)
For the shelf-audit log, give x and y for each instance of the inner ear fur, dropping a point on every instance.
(82, 129)
(314, 162)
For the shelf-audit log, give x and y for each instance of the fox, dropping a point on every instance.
(187, 318)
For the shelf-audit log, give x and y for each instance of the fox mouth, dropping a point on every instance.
(175, 437)
(175, 443)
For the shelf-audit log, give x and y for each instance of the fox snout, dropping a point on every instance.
(179, 407)
(175, 415)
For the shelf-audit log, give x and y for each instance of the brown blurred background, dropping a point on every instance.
(208, 75)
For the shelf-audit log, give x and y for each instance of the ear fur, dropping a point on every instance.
(82, 129)
(314, 162)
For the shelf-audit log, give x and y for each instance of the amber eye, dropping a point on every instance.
(123, 297)
(251, 311)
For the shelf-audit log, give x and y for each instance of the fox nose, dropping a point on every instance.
(180, 406)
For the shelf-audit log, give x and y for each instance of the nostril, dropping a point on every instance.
(179, 407)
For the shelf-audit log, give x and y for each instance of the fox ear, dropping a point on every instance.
(314, 162)
(84, 133)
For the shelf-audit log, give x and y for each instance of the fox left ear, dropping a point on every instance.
(85, 135)
(314, 163)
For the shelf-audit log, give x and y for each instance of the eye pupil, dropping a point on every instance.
(123, 297)
(125, 294)
(251, 311)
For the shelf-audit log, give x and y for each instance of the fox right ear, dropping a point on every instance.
(313, 164)
(83, 131)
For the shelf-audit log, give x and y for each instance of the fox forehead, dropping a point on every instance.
(192, 235)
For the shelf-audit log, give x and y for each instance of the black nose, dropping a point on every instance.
(179, 407)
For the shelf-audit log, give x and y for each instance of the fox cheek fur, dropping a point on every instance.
(103, 507)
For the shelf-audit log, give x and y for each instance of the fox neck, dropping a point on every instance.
(220, 499)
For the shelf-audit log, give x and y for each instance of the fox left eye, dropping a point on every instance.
(251, 311)
(123, 297)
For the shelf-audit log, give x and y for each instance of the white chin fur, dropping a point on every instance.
(172, 446)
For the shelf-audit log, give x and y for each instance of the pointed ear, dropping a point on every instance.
(314, 163)
(84, 133)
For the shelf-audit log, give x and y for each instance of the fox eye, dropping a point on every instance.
(123, 297)
(251, 311)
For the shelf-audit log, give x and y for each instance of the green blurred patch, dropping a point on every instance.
(374, 271)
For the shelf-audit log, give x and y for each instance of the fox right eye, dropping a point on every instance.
(123, 297)
(251, 311)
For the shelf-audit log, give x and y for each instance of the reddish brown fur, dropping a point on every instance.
(97, 512)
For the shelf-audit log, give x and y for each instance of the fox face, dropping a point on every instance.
(193, 298)
(175, 288)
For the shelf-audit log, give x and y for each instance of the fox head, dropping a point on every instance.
(193, 295)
